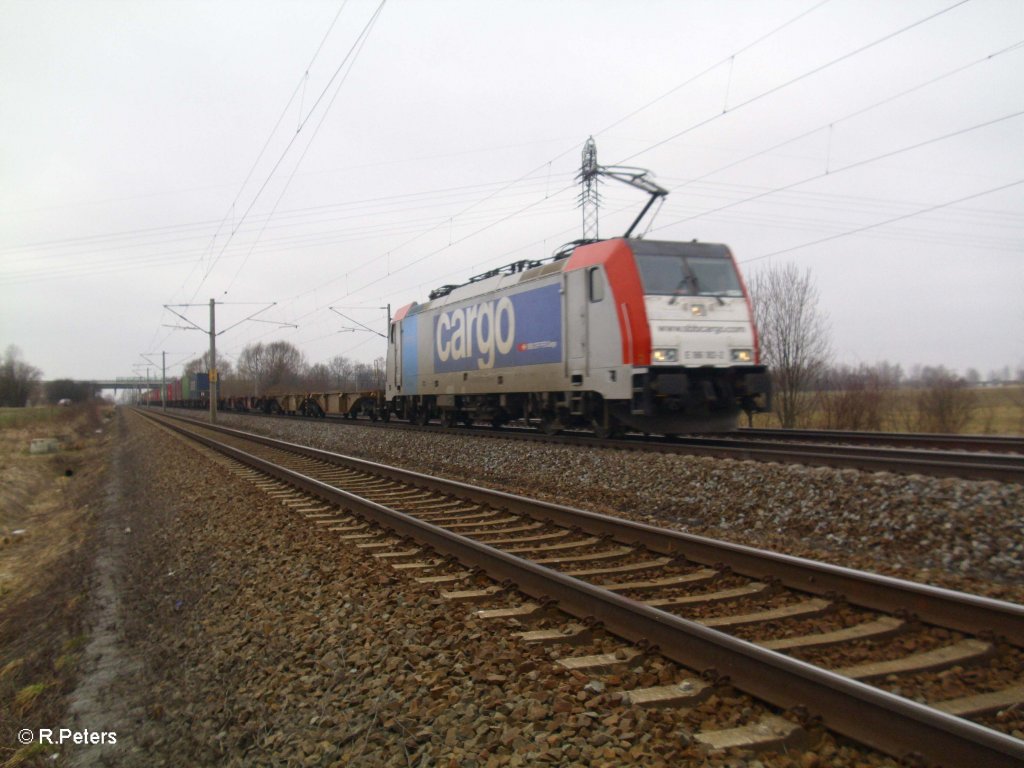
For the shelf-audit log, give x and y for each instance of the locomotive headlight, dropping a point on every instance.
(697, 310)
(664, 355)
(743, 356)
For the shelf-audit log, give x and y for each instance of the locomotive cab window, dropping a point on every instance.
(595, 284)
(714, 277)
(671, 275)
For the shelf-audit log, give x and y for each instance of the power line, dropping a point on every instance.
(859, 112)
(360, 42)
(291, 142)
(727, 60)
(797, 79)
(31, 249)
(299, 85)
(850, 166)
(361, 227)
(894, 219)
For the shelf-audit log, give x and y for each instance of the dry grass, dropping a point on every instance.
(45, 557)
(995, 411)
(1000, 411)
(27, 417)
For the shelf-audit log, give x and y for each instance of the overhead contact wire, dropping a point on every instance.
(858, 164)
(291, 143)
(876, 225)
(358, 47)
(797, 79)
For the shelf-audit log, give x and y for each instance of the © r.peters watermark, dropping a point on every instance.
(59, 736)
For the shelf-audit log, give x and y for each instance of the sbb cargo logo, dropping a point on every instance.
(491, 325)
(519, 329)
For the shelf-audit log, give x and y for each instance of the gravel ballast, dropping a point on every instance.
(251, 637)
(960, 534)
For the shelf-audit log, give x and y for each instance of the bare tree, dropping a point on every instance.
(945, 403)
(278, 365)
(201, 364)
(363, 376)
(318, 378)
(18, 379)
(794, 336)
(341, 372)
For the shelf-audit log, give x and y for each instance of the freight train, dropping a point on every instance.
(610, 335)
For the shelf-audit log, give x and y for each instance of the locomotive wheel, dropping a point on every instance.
(602, 432)
(422, 417)
(550, 424)
(449, 419)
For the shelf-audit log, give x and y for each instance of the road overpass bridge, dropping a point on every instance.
(121, 382)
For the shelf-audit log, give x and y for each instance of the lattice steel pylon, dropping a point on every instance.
(590, 198)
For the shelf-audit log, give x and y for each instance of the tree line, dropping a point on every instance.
(280, 366)
(21, 384)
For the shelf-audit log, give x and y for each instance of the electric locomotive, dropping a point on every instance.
(611, 335)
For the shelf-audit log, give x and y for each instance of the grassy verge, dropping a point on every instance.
(46, 524)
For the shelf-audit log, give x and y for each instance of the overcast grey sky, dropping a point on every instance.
(880, 144)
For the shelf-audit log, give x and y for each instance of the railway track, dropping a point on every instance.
(939, 442)
(827, 449)
(794, 633)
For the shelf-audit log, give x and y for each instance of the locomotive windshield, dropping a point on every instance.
(688, 275)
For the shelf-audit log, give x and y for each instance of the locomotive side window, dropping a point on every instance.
(595, 284)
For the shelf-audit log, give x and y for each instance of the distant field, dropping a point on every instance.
(1000, 411)
(23, 417)
(996, 411)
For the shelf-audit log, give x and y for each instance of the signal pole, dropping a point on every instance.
(213, 363)
(163, 376)
(212, 373)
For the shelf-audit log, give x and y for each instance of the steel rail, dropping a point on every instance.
(947, 608)
(1001, 467)
(972, 442)
(869, 715)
